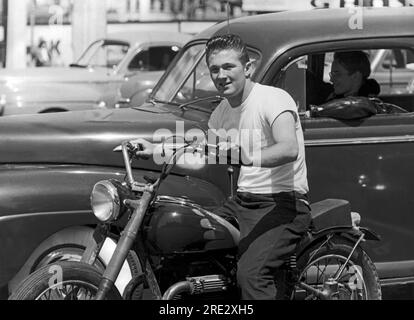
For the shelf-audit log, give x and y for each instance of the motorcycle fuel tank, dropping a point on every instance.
(176, 225)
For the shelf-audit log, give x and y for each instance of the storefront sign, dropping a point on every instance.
(285, 5)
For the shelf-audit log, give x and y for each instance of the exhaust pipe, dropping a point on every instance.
(198, 285)
(178, 288)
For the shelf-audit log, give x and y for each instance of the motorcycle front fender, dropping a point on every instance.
(95, 245)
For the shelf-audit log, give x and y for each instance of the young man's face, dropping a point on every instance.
(344, 82)
(228, 72)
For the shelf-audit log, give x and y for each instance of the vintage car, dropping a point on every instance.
(133, 59)
(49, 163)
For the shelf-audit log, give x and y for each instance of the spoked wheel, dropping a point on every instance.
(329, 271)
(63, 281)
(69, 290)
(323, 272)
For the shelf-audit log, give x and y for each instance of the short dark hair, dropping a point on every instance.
(227, 42)
(354, 61)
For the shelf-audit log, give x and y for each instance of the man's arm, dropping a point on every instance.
(286, 147)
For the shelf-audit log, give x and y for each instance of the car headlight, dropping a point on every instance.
(102, 105)
(107, 200)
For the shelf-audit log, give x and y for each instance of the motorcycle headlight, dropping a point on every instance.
(106, 201)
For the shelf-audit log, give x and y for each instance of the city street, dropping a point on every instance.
(206, 150)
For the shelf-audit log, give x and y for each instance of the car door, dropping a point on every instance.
(368, 161)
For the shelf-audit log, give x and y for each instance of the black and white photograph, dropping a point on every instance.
(211, 153)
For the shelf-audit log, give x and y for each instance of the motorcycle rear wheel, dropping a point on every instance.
(63, 281)
(358, 281)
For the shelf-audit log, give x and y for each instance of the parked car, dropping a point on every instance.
(95, 79)
(49, 163)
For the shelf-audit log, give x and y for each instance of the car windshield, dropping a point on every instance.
(174, 88)
(102, 53)
(189, 79)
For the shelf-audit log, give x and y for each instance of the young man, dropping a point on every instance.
(271, 204)
(350, 76)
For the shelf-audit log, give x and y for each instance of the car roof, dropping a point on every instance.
(277, 31)
(135, 38)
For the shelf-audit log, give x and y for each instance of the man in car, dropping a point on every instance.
(271, 204)
(350, 76)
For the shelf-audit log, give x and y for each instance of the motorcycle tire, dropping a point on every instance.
(63, 281)
(69, 245)
(365, 273)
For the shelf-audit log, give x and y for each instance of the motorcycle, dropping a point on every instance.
(180, 250)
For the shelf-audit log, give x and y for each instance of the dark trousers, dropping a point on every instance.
(271, 226)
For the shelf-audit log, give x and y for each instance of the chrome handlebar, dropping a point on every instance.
(129, 150)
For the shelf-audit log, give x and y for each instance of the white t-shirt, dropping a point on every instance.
(253, 122)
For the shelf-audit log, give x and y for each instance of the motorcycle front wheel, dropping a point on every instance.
(355, 278)
(63, 281)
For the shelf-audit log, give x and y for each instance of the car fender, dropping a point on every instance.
(40, 97)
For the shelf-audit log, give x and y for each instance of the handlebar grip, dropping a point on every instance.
(135, 148)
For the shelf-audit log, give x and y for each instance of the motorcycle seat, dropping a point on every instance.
(331, 213)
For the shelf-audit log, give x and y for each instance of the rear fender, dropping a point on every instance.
(349, 233)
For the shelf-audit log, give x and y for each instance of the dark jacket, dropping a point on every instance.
(370, 88)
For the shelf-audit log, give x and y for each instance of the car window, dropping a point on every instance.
(153, 59)
(114, 55)
(169, 87)
(308, 80)
(103, 54)
(395, 59)
(198, 85)
(394, 69)
(293, 80)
